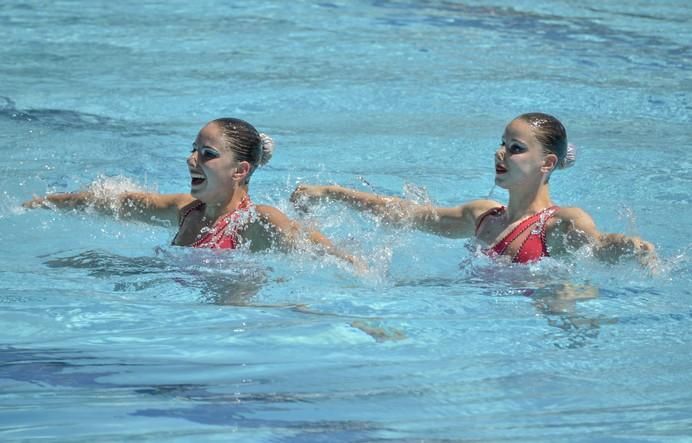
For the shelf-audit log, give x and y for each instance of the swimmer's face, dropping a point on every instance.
(212, 166)
(520, 159)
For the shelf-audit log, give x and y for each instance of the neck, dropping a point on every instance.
(213, 211)
(523, 203)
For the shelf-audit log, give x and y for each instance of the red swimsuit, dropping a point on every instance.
(531, 242)
(224, 233)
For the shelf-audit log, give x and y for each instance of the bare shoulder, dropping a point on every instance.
(273, 216)
(570, 226)
(185, 205)
(574, 217)
(269, 212)
(178, 200)
(473, 208)
(275, 227)
(455, 222)
(570, 213)
(476, 208)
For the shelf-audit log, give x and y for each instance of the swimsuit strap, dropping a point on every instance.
(186, 212)
(189, 211)
(219, 236)
(534, 245)
(541, 217)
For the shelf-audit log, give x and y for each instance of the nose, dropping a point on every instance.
(499, 154)
(192, 159)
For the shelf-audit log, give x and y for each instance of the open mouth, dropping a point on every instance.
(196, 179)
(499, 169)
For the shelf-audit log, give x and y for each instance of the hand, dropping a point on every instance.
(304, 193)
(359, 265)
(614, 247)
(645, 253)
(36, 202)
(642, 251)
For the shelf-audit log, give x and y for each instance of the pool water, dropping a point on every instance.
(110, 334)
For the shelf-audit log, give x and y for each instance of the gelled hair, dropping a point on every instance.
(551, 134)
(245, 142)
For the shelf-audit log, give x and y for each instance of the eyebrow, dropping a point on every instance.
(513, 139)
(194, 145)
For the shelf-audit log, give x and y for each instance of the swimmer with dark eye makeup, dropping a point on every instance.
(530, 226)
(218, 212)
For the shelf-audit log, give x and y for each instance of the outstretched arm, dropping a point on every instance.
(455, 222)
(143, 206)
(574, 228)
(291, 235)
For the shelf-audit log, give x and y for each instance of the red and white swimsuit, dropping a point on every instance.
(527, 238)
(224, 233)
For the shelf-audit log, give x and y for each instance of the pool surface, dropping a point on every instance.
(107, 333)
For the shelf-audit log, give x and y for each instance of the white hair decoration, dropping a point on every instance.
(570, 157)
(267, 149)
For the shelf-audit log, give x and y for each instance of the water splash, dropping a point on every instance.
(107, 191)
(417, 194)
(627, 213)
(109, 187)
(9, 205)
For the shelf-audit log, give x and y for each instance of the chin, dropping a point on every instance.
(197, 193)
(501, 183)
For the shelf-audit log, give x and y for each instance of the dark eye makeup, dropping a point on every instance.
(514, 148)
(206, 152)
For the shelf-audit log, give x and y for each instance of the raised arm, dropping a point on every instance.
(144, 206)
(455, 222)
(574, 228)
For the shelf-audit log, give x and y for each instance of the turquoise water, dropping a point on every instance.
(109, 334)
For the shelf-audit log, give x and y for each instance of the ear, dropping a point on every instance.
(549, 163)
(242, 171)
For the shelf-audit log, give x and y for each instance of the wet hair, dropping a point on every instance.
(245, 142)
(551, 134)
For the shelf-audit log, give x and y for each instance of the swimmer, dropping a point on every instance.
(530, 227)
(218, 212)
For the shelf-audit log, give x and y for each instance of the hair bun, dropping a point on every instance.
(570, 156)
(267, 149)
